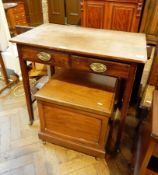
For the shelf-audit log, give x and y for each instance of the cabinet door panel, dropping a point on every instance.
(56, 11)
(93, 14)
(34, 13)
(73, 11)
(121, 16)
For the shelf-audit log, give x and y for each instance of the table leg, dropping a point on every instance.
(26, 84)
(125, 103)
(136, 85)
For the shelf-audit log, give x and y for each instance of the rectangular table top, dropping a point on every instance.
(115, 45)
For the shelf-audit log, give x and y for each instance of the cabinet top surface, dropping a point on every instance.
(88, 92)
(125, 46)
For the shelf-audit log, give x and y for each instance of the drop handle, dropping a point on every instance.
(98, 67)
(43, 56)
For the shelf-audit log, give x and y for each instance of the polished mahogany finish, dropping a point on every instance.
(102, 50)
(94, 14)
(20, 13)
(74, 110)
(123, 15)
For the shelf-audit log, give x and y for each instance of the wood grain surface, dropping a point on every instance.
(116, 45)
(74, 110)
(80, 90)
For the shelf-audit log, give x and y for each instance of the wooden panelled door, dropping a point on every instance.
(73, 12)
(34, 13)
(64, 11)
(121, 16)
(56, 11)
(115, 15)
(94, 14)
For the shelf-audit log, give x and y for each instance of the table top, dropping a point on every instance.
(9, 5)
(115, 45)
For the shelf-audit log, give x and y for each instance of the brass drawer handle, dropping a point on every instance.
(98, 67)
(43, 56)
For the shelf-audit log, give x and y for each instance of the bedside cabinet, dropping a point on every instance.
(75, 109)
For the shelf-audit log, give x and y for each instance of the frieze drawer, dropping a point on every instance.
(45, 56)
(100, 66)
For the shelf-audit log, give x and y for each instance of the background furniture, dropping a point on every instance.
(27, 12)
(116, 15)
(148, 141)
(153, 77)
(149, 26)
(149, 23)
(15, 15)
(84, 52)
(152, 84)
(9, 10)
(19, 14)
(144, 146)
(33, 10)
(64, 11)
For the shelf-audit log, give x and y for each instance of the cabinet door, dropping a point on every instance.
(56, 11)
(149, 24)
(73, 11)
(34, 13)
(122, 16)
(93, 15)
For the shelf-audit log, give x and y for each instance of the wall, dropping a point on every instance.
(45, 11)
(4, 33)
(9, 53)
